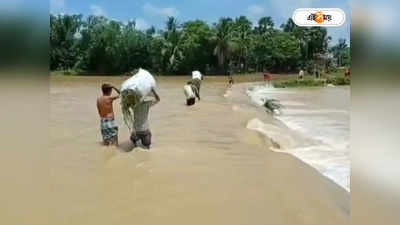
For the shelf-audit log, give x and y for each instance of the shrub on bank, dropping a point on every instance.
(65, 72)
(299, 83)
(338, 80)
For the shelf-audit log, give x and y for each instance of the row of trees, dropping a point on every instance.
(99, 45)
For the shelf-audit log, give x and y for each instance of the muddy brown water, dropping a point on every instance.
(204, 167)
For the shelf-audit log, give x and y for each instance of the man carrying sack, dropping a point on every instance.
(137, 96)
(192, 88)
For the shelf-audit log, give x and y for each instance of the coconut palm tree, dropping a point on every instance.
(243, 38)
(264, 24)
(172, 49)
(224, 41)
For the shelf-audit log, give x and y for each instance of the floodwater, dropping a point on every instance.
(204, 167)
(320, 119)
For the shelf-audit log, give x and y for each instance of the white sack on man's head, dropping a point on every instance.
(133, 91)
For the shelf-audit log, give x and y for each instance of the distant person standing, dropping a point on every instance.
(317, 72)
(267, 77)
(347, 72)
(231, 81)
(301, 74)
(109, 130)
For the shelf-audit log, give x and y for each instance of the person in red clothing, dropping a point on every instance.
(347, 72)
(267, 77)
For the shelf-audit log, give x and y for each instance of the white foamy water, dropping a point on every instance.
(317, 127)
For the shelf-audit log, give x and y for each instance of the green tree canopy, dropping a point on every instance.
(99, 45)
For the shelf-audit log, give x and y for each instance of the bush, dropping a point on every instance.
(338, 80)
(66, 72)
(300, 83)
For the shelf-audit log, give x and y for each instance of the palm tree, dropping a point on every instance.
(289, 26)
(63, 40)
(223, 39)
(172, 49)
(265, 24)
(338, 50)
(242, 38)
(172, 24)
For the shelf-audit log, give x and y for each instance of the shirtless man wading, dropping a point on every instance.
(109, 130)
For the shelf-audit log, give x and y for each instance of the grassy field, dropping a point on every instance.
(335, 78)
(278, 80)
(238, 78)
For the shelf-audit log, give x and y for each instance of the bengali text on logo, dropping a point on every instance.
(332, 17)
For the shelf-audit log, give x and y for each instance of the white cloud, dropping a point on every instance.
(141, 24)
(57, 6)
(160, 11)
(97, 10)
(286, 9)
(255, 10)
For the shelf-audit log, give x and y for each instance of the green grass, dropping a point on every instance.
(337, 81)
(300, 83)
(336, 78)
(278, 80)
(64, 73)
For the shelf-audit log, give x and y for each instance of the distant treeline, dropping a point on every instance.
(232, 45)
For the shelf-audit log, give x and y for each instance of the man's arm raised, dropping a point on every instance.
(116, 90)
